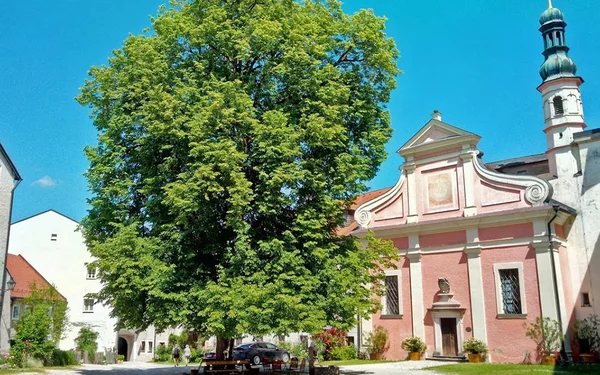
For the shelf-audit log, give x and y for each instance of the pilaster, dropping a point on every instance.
(416, 287)
(470, 209)
(410, 167)
(543, 260)
(473, 251)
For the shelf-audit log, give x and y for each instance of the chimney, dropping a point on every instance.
(436, 115)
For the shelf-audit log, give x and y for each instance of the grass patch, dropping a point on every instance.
(504, 369)
(350, 362)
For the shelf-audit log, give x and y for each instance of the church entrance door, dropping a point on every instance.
(449, 337)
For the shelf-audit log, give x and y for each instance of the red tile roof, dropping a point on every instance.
(363, 198)
(24, 275)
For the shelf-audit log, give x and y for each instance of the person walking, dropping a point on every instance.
(176, 354)
(187, 353)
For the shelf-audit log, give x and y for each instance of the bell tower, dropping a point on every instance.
(563, 110)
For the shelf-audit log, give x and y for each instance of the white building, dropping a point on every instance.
(9, 179)
(54, 246)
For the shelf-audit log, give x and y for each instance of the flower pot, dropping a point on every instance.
(414, 356)
(475, 357)
(549, 360)
(376, 356)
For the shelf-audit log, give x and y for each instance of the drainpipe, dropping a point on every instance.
(554, 278)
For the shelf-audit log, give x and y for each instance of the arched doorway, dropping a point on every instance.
(122, 347)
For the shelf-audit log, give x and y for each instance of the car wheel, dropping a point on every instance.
(256, 360)
(285, 358)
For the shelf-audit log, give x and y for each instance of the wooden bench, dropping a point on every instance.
(229, 366)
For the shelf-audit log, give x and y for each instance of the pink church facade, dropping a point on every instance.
(452, 217)
(489, 247)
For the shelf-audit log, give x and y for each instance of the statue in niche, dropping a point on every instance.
(444, 285)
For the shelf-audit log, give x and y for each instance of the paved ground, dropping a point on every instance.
(138, 368)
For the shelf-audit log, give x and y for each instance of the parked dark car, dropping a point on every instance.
(257, 352)
(210, 355)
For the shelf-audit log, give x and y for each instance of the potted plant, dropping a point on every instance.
(378, 341)
(414, 346)
(120, 358)
(475, 348)
(548, 336)
(588, 329)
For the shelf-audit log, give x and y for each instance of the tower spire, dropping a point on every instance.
(563, 111)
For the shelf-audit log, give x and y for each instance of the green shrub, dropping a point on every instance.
(61, 358)
(163, 353)
(589, 329)
(297, 350)
(413, 345)
(120, 357)
(378, 340)
(344, 352)
(546, 334)
(475, 346)
(86, 341)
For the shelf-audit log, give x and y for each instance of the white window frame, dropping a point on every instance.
(17, 308)
(384, 312)
(85, 306)
(88, 273)
(499, 304)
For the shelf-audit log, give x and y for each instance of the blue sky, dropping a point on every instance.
(476, 61)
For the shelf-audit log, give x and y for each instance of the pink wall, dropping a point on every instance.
(398, 328)
(506, 231)
(442, 239)
(453, 266)
(506, 337)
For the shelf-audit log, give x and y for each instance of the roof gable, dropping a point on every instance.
(23, 273)
(436, 134)
(45, 213)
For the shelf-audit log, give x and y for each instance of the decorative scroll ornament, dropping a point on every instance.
(537, 191)
(364, 213)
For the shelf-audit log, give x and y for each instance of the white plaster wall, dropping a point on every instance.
(590, 215)
(63, 263)
(7, 185)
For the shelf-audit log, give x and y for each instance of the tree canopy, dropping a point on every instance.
(232, 137)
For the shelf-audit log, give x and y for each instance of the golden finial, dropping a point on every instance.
(549, 3)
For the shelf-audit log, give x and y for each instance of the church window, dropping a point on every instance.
(557, 102)
(510, 292)
(585, 300)
(392, 299)
(511, 298)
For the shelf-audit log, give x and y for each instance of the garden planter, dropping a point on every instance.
(376, 356)
(549, 360)
(414, 356)
(475, 357)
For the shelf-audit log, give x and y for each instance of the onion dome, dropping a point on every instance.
(550, 15)
(558, 65)
(557, 62)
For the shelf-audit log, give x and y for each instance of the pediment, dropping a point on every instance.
(439, 132)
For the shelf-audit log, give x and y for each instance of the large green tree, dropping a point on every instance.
(232, 136)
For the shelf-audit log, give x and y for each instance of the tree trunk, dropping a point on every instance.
(222, 346)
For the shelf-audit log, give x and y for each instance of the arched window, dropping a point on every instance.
(557, 102)
(558, 38)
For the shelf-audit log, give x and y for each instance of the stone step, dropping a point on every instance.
(443, 358)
